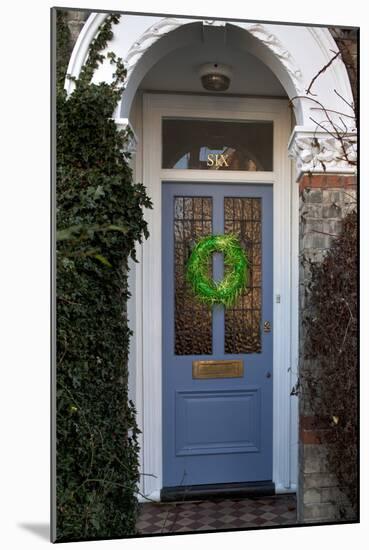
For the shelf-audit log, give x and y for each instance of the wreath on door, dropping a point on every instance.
(236, 266)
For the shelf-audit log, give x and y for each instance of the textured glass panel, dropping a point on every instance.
(256, 276)
(188, 208)
(247, 300)
(248, 230)
(207, 227)
(256, 232)
(187, 231)
(178, 231)
(257, 298)
(192, 320)
(256, 210)
(207, 208)
(178, 205)
(197, 209)
(256, 254)
(237, 209)
(217, 145)
(198, 228)
(242, 216)
(247, 209)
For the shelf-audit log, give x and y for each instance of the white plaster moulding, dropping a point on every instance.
(154, 496)
(259, 31)
(320, 152)
(124, 124)
(272, 42)
(144, 41)
(81, 47)
(151, 35)
(294, 69)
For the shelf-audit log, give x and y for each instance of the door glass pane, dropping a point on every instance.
(217, 145)
(242, 217)
(192, 319)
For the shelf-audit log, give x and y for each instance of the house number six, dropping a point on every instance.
(217, 160)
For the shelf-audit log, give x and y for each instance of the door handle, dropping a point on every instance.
(267, 326)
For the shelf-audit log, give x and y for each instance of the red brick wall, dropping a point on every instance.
(327, 181)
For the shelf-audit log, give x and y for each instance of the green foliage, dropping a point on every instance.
(331, 345)
(236, 265)
(99, 220)
(62, 51)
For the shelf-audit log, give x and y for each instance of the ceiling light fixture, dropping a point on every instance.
(215, 77)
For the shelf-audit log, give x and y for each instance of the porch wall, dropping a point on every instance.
(324, 202)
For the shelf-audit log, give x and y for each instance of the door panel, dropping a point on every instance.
(216, 430)
(198, 433)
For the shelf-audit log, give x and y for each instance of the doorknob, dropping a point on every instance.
(267, 326)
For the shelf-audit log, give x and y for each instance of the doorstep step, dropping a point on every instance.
(217, 491)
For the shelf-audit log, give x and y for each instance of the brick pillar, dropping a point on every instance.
(74, 19)
(324, 201)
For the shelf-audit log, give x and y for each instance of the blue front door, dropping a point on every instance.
(217, 428)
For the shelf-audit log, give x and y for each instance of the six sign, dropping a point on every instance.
(217, 160)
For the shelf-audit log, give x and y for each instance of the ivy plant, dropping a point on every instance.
(100, 218)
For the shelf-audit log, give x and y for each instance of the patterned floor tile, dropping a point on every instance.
(212, 515)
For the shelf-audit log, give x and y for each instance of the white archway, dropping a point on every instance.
(294, 53)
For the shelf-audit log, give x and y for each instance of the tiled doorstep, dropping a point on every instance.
(180, 517)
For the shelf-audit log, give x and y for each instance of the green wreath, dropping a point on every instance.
(236, 265)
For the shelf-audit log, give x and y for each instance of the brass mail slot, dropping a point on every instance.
(217, 369)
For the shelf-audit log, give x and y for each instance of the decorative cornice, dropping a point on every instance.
(151, 35)
(322, 152)
(270, 40)
(259, 31)
(131, 143)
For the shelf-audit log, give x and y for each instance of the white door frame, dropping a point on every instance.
(285, 279)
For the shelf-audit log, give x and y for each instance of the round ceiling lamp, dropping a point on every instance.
(215, 77)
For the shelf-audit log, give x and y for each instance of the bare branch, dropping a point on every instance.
(344, 124)
(323, 233)
(322, 70)
(351, 162)
(345, 100)
(332, 111)
(323, 127)
(322, 108)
